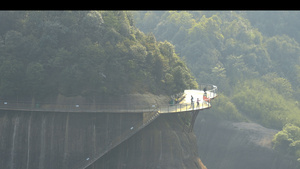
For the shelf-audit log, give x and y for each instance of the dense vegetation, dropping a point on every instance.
(288, 140)
(255, 66)
(86, 53)
(253, 58)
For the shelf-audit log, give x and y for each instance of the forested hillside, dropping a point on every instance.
(252, 57)
(84, 53)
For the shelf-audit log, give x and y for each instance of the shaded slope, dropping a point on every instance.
(236, 145)
(163, 144)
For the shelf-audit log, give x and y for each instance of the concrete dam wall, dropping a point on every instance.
(35, 140)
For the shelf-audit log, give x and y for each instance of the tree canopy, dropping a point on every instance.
(86, 53)
(253, 58)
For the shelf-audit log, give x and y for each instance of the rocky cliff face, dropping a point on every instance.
(34, 140)
(223, 144)
(162, 145)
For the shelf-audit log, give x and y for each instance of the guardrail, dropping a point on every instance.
(153, 110)
(176, 108)
(156, 111)
(169, 108)
(93, 108)
(210, 90)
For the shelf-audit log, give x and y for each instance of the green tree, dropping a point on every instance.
(224, 108)
(11, 77)
(86, 53)
(282, 85)
(288, 140)
(284, 54)
(35, 78)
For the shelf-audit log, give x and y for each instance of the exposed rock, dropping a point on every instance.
(67, 140)
(161, 145)
(223, 144)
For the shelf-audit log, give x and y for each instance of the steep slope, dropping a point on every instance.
(66, 56)
(69, 140)
(84, 53)
(254, 62)
(163, 144)
(238, 145)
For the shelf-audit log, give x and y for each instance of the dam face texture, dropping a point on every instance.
(48, 140)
